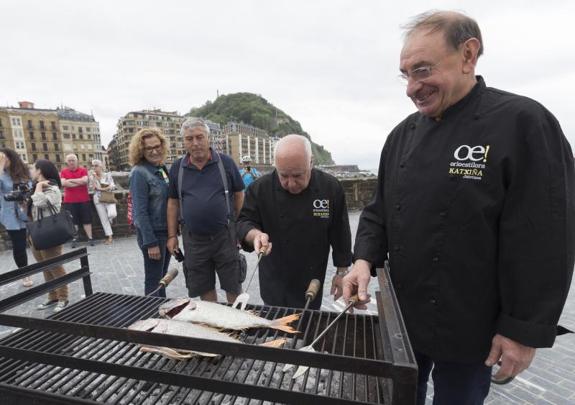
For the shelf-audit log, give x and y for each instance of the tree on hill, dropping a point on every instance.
(255, 110)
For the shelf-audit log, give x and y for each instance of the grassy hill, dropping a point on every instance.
(257, 111)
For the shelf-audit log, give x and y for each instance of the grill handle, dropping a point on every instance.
(170, 275)
(312, 289)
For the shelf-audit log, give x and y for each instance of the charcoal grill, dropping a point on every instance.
(85, 354)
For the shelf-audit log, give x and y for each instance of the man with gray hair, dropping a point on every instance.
(302, 211)
(205, 197)
(475, 210)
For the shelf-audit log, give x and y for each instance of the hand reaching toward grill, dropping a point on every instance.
(356, 282)
(260, 241)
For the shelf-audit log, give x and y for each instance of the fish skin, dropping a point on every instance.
(187, 329)
(173, 327)
(222, 316)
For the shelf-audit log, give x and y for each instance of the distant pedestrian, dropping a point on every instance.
(248, 172)
(47, 192)
(76, 198)
(14, 176)
(149, 189)
(101, 181)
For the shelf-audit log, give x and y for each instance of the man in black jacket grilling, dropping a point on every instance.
(475, 211)
(302, 211)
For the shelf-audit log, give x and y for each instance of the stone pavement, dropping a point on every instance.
(119, 269)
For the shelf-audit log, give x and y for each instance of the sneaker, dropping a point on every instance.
(61, 305)
(46, 305)
(74, 243)
(27, 282)
(91, 242)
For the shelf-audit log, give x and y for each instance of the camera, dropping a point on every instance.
(20, 192)
(178, 255)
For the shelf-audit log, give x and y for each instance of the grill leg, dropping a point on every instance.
(87, 280)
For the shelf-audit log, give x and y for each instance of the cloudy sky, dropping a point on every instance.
(332, 64)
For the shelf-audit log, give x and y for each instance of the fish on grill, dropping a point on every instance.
(179, 328)
(221, 316)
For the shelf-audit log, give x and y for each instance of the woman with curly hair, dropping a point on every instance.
(149, 190)
(13, 173)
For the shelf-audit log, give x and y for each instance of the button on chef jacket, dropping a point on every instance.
(302, 227)
(476, 212)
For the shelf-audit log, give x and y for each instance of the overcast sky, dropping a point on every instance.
(332, 65)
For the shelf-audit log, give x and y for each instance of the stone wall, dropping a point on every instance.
(358, 193)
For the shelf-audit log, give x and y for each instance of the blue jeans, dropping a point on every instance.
(453, 383)
(155, 269)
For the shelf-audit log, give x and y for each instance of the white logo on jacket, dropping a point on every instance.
(470, 161)
(473, 153)
(321, 208)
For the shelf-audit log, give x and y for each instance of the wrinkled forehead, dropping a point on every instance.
(195, 131)
(421, 48)
(292, 165)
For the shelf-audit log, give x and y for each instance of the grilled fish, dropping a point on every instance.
(221, 316)
(171, 327)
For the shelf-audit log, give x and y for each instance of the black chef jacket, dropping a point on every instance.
(476, 211)
(301, 228)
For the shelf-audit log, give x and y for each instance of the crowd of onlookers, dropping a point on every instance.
(31, 192)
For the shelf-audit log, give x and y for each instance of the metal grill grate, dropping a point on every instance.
(84, 354)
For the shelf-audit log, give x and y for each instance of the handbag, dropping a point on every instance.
(107, 197)
(51, 231)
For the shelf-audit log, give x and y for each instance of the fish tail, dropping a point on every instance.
(283, 323)
(274, 343)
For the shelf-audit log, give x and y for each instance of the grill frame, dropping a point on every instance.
(399, 364)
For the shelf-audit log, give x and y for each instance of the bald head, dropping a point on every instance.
(293, 162)
(293, 146)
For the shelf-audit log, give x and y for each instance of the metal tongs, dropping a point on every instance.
(309, 348)
(243, 298)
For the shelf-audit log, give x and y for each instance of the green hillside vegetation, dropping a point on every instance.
(256, 111)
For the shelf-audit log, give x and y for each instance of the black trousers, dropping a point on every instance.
(453, 383)
(18, 238)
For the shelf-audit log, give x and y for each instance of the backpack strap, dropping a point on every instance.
(225, 182)
(222, 171)
(180, 181)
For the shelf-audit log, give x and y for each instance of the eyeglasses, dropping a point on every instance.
(418, 74)
(156, 148)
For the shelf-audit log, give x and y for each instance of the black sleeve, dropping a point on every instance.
(173, 187)
(249, 217)
(339, 232)
(536, 232)
(371, 236)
